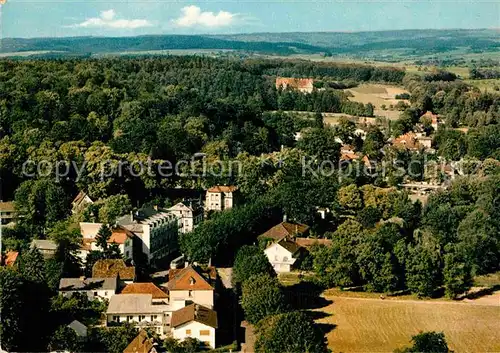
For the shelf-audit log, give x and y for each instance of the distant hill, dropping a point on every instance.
(411, 43)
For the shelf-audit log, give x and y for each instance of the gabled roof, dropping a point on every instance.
(113, 267)
(134, 304)
(285, 229)
(145, 288)
(44, 244)
(80, 198)
(189, 278)
(194, 312)
(76, 284)
(289, 245)
(78, 327)
(223, 188)
(140, 344)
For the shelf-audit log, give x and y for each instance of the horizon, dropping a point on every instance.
(256, 33)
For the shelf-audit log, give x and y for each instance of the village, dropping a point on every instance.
(270, 256)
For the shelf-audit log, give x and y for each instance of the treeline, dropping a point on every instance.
(310, 69)
(483, 73)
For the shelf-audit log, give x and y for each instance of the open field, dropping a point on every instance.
(378, 95)
(375, 325)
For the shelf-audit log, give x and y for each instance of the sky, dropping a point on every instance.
(59, 18)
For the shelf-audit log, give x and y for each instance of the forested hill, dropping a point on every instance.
(147, 43)
(406, 43)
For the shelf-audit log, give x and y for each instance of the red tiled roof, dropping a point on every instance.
(189, 278)
(10, 258)
(285, 229)
(194, 312)
(111, 268)
(140, 344)
(298, 83)
(223, 188)
(145, 288)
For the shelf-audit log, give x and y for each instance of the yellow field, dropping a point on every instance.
(375, 325)
(378, 95)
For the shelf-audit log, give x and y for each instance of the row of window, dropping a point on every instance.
(140, 318)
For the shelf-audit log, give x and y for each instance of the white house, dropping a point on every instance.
(195, 321)
(220, 198)
(156, 230)
(189, 215)
(192, 284)
(283, 254)
(141, 311)
(94, 288)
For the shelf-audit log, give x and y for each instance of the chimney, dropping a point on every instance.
(284, 218)
(155, 207)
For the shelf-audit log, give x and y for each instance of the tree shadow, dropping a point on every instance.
(305, 295)
(481, 293)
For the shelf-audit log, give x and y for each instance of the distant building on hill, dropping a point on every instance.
(300, 84)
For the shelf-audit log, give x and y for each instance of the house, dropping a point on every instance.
(192, 284)
(80, 202)
(119, 235)
(407, 141)
(156, 232)
(283, 254)
(285, 229)
(220, 198)
(305, 85)
(435, 121)
(157, 294)
(94, 288)
(79, 328)
(189, 215)
(47, 247)
(110, 268)
(9, 258)
(195, 321)
(8, 213)
(140, 311)
(141, 344)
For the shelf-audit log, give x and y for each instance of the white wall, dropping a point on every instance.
(280, 258)
(195, 327)
(91, 294)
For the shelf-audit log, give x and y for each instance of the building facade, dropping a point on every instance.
(188, 214)
(221, 198)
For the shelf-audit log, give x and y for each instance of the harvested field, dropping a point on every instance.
(376, 325)
(378, 95)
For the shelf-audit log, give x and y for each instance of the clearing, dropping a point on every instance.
(376, 325)
(378, 95)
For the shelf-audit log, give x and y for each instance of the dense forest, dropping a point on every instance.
(156, 110)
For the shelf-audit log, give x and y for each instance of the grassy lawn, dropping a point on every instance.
(374, 325)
